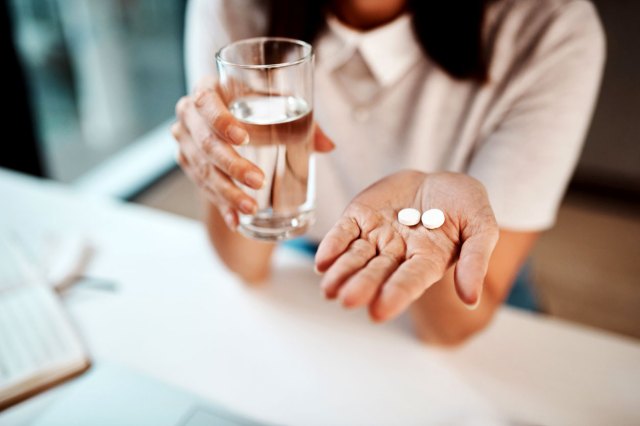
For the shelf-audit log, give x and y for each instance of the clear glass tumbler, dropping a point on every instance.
(267, 84)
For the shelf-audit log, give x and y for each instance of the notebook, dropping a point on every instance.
(39, 347)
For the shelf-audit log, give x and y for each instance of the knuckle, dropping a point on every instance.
(204, 171)
(235, 198)
(230, 193)
(176, 130)
(182, 160)
(348, 226)
(229, 162)
(221, 156)
(221, 120)
(181, 106)
(200, 98)
(208, 143)
(225, 192)
(236, 167)
(363, 249)
(387, 260)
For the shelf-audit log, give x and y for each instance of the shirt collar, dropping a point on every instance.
(389, 51)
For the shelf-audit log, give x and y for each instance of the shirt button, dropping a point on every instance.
(361, 114)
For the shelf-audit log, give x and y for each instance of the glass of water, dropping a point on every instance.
(267, 84)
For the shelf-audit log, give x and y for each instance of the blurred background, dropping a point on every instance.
(99, 75)
(97, 80)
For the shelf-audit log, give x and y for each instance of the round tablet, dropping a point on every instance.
(409, 217)
(433, 218)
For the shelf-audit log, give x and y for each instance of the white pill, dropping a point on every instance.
(433, 218)
(409, 217)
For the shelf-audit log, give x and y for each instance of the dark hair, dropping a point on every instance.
(449, 31)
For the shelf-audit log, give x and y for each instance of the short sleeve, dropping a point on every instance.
(211, 24)
(527, 159)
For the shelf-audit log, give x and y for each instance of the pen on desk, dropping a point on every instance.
(95, 283)
(68, 270)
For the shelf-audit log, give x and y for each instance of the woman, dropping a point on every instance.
(477, 107)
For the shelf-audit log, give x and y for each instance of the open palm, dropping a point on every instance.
(371, 259)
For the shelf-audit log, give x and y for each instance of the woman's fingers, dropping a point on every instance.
(204, 132)
(218, 188)
(361, 288)
(228, 190)
(405, 285)
(322, 143)
(473, 264)
(355, 258)
(188, 157)
(211, 107)
(336, 242)
(223, 155)
(390, 281)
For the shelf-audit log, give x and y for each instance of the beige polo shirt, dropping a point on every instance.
(388, 107)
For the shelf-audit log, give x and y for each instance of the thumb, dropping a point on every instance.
(321, 142)
(472, 266)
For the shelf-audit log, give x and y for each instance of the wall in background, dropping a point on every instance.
(101, 73)
(611, 157)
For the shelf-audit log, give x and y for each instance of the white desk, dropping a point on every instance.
(282, 354)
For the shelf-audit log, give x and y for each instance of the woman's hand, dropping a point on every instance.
(371, 259)
(206, 132)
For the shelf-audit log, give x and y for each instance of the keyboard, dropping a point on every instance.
(38, 344)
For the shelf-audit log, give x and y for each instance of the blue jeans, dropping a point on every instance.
(522, 293)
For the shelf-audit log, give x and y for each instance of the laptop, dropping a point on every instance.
(112, 395)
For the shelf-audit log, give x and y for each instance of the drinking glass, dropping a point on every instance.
(267, 84)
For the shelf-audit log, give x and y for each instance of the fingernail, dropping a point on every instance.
(324, 293)
(231, 220)
(254, 180)
(237, 135)
(474, 306)
(247, 207)
(316, 270)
